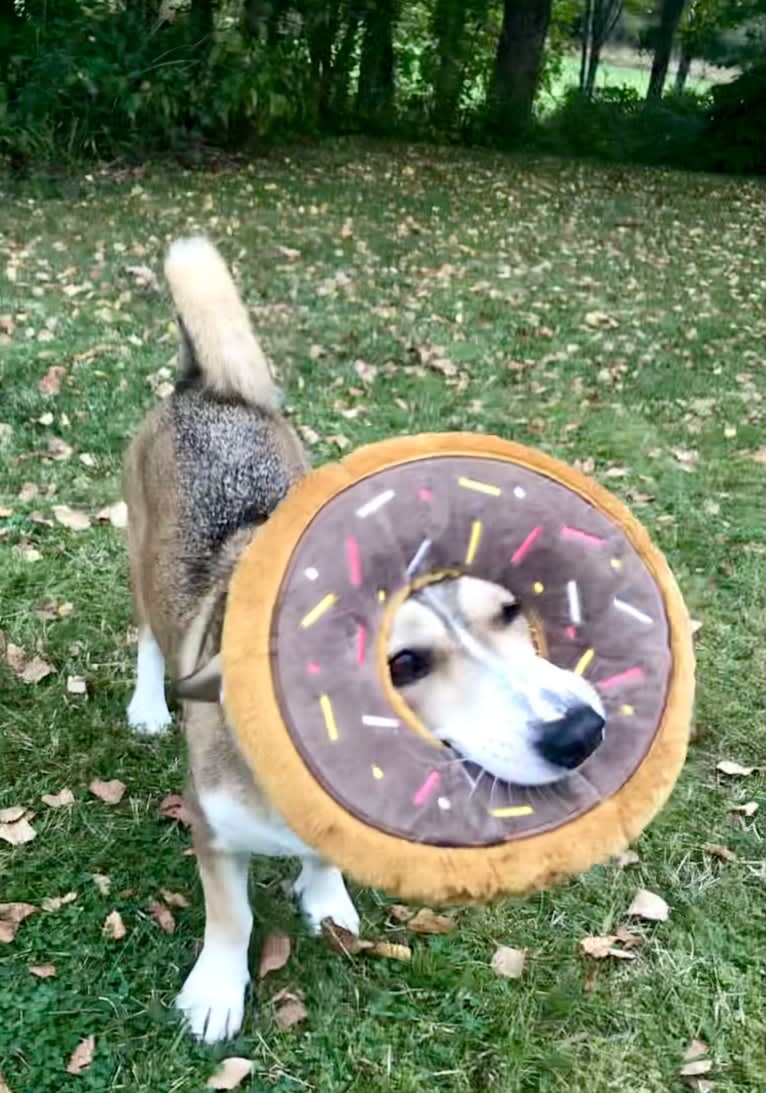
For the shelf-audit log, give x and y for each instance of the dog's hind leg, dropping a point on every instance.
(213, 996)
(322, 893)
(148, 710)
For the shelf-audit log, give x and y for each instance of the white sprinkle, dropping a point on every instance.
(519, 491)
(311, 573)
(573, 596)
(380, 722)
(420, 554)
(629, 609)
(444, 804)
(376, 503)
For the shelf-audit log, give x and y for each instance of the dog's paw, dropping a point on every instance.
(322, 894)
(213, 998)
(149, 716)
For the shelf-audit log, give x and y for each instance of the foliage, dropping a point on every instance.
(737, 123)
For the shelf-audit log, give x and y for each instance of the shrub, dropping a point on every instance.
(735, 131)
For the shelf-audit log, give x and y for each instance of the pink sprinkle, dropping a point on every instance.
(571, 632)
(354, 561)
(583, 536)
(313, 668)
(527, 545)
(426, 789)
(632, 675)
(425, 494)
(361, 644)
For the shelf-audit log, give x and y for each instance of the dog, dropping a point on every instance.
(204, 472)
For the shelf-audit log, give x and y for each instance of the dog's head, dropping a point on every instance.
(461, 655)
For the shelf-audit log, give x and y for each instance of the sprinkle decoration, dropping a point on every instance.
(376, 503)
(582, 536)
(479, 487)
(317, 611)
(629, 609)
(425, 791)
(329, 717)
(361, 644)
(521, 551)
(354, 561)
(573, 599)
(473, 542)
(374, 722)
(632, 675)
(584, 661)
(511, 811)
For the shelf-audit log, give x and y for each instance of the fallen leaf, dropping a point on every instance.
(230, 1073)
(274, 954)
(82, 1056)
(627, 938)
(71, 518)
(172, 807)
(5, 512)
(28, 491)
(144, 276)
(389, 950)
(291, 1011)
(28, 671)
(758, 456)
(174, 899)
(76, 685)
(114, 928)
(626, 858)
(716, 850)
(366, 372)
(696, 1068)
(648, 905)
(427, 922)
(17, 832)
(598, 946)
(749, 808)
(58, 800)
(58, 449)
(508, 962)
(43, 971)
(50, 384)
(599, 319)
(736, 770)
(111, 792)
(11, 917)
(162, 915)
(343, 941)
(11, 814)
(55, 903)
(695, 1049)
(102, 882)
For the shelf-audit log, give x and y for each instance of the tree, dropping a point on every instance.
(600, 19)
(670, 17)
(375, 90)
(518, 63)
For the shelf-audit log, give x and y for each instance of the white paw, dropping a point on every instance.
(322, 894)
(213, 997)
(149, 716)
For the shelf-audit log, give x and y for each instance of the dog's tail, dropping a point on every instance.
(217, 341)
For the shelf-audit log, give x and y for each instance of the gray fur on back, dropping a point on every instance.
(231, 472)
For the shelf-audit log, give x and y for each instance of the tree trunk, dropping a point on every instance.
(321, 31)
(670, 16)
(375, 90)
(341, 69)
(682, 72)
(587, 36)
(449, 27)
(201, 21)
(518, 63)
(594, 60)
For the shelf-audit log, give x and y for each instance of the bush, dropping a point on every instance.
(735, 132)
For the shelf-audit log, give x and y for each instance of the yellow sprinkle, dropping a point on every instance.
(538, 587)
(627, 709)
(616, 563)
(377, 773)
(316, 612)
(473, 542)
(583, 662)
(480, 487)
(329, 717)
(381, 595)
(512, 810)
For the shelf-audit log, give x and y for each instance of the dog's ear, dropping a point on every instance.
(204, 685)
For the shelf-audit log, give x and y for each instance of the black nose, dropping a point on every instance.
(570, 741)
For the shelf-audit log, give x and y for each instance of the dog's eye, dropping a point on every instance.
(409, 666)
(509, 612)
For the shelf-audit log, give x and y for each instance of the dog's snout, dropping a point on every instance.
(569, 741)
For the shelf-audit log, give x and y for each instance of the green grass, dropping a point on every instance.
(498, 261)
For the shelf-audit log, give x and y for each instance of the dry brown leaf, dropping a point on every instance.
(55, 903)
(82, 1056)
(696, 1068)
(508, 962)
(5, 512)
(61, 799)
(116, 515)
(695, 1049)
(426, 921)
(102, 882)
(111, 791)
(174, 899)
(28, 491)
(144, 276)
(389, 950)
(76, 685)
(598, 946)
(626, 858)
(162, 915)
(627, 938)
(17, 832)
(717, 850)
(58, 449)
(11, 814)
(230, 1073)
(736, 770)
(749, 808)
(274, 954)
(43, 971)
(74, 519)
(50, 384)
(343, 941)
(11, 917)
(291, 1011)
(28, 671)
(114, 928)
(649, 905)
(172, 807)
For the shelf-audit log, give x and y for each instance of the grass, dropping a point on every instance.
(631, 70)
(497, 261)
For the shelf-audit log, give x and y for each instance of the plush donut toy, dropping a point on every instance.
(341, 756)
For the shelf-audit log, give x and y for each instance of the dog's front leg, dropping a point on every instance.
(213, 996)
(322, 893)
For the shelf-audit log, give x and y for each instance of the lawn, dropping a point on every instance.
(611, 317)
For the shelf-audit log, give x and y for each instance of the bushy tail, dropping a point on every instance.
(217, 340)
